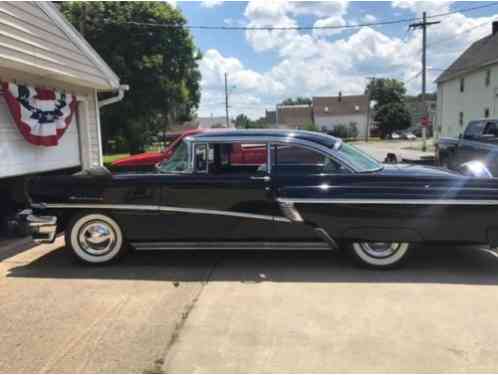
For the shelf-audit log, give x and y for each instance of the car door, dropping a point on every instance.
(298, 166)
(469, 146)
(218, 200)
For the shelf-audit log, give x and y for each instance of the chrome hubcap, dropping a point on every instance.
(380, 249)
(97, 238)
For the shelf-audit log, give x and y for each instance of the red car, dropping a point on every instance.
(250, 154)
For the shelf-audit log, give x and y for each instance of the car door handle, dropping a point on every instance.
(265, 178)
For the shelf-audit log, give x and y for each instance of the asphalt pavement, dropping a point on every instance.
(250, 311)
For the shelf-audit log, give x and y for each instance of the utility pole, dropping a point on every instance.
(423, 25)
(226, 100)
(82, 18)
(369, 93)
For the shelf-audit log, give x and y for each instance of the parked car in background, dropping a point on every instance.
(478, 142)
(148, 160)
(409, 136)
(242, 154)
(309, 191)
(394, 136)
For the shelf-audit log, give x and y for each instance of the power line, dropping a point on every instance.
(413, 77)
(304, 28)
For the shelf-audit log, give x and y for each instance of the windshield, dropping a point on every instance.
(178, 162)
(359, 160)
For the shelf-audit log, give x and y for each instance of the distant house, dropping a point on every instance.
(330, 111)
(202, 123)
(468, 88)
(294, 116)
(271, 117)
(213, 122)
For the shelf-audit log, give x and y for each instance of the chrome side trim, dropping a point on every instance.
(134, 207)
(290, 211)
(470, 202)
(230, 245)
(325, 236)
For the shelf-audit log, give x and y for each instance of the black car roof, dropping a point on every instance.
(320, 138)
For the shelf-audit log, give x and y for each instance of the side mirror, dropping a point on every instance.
(460, 136)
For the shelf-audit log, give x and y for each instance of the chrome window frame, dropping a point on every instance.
(327, 151)
(196, 142)
(190, 159)
(194, 166)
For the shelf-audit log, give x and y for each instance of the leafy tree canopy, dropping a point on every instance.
(391, 117)
(244, 122)
(386, 90)
(159, 64)
(296, 101)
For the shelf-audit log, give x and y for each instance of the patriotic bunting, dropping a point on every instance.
(42, 116)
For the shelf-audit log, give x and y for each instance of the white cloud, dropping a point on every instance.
(369, 18)
(171, 2)
(327, 22)
(247, 87)
(310, 65)
(431, 7)
(211, 3)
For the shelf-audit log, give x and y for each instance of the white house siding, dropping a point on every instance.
(330, 122)
(31, 41)
(34, 158)
(18, 157)
(472, 102)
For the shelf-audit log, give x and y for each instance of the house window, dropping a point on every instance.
(462, 84)
(486, 112)
(460, 119)
(488, 78)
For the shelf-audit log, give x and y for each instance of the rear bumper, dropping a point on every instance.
(43, 228)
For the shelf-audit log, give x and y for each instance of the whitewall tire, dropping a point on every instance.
(95, 238)
(380, 255)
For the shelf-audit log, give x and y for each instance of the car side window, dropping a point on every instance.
(474, 129)
(294, 159)
(236, 158)
(491, 129)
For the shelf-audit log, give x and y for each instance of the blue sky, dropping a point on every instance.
(267, 67)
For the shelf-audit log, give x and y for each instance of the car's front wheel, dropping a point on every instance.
(380, 255)
(95, 238)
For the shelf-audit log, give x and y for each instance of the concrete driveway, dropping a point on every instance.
(247, 312)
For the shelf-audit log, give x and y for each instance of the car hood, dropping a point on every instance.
(146, 158)
(416, 170)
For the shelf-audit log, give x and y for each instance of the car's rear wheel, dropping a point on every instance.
(380, 255)
(95, 238)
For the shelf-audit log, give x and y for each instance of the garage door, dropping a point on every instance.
(18, 157)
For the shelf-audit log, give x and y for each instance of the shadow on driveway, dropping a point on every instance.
(448, 265)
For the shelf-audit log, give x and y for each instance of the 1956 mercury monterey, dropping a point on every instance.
(311, 191)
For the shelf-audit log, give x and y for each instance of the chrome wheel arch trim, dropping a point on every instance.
(469, 202)
(133, 207)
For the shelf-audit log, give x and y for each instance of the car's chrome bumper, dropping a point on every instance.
(43, 228)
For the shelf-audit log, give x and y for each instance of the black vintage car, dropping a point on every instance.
(307, 191)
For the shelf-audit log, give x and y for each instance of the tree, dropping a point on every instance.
(159, 64)
(386, 90)
(390, 111)
(296, 101)
(242, 121)
(391, 117)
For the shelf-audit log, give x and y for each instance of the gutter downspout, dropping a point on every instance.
(115, 99)
(100, 104)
